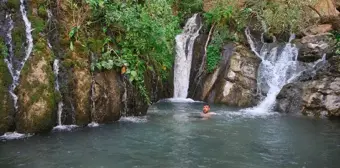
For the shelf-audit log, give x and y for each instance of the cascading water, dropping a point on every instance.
(9, 59)
(278, 67)
(184, 52)
(16, 70)
(60, 103)
(60, 125)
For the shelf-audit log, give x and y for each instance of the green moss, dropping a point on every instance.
(19, 37)
(38, 24)
(37, 91)
(5, 81)
(13, 4)
(42, 11)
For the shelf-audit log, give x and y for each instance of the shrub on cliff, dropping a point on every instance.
(140, 37)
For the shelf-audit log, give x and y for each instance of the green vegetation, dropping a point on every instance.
(226, 22)
(283, 16)
(336, 35)
(5, 81)
(140, 37)
(230, 18)
(135, 37)
(185, 8)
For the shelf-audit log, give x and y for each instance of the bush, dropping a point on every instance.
(142, 37)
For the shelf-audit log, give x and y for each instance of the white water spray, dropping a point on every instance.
(184, 52)
(275, 70)
(15, 71)
(279, 66)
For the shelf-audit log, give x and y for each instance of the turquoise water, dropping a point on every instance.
(171, 135)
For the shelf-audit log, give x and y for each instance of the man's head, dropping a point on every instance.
(206, 108)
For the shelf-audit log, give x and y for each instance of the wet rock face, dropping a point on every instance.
(318, 96)
(107, 97)
(238, 87)
(6, 119)
(234, 81)
(196, 76)
(82, 87)
(36, 95)
(36, 101)
(313, 47)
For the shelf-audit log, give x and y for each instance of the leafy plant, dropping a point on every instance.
(141, 38)
(226, 18)
(336, 35)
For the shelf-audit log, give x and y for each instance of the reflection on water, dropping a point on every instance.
(172, 135)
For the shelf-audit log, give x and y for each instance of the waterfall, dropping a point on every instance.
(60, 125)
(278, 67)
(184, 52)
(125, 98)
(60, 103)
(9, 59)
(16, 70)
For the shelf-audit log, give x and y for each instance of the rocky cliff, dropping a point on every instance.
(87, 96)
(234, 80)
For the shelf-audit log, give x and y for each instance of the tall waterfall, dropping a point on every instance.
(184, 52)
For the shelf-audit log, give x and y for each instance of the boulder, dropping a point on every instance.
(36, 98)
(326, 8)
(313, 47)
(319, 29)
(317, 96)
(234, 81)
(107, 97)
(81, 92)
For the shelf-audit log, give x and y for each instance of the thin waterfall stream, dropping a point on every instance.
(60, 103)
(16, 70)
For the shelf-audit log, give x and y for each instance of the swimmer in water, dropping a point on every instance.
(206, 111)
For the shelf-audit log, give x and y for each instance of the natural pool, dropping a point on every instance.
(170, 136)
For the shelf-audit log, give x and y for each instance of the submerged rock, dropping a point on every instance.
(317, 96)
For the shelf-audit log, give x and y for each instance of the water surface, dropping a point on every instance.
(172, 135)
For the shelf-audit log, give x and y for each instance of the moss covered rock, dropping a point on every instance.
(107, 97)
(6, 119)
(36, 98)
(36, 95)
(234, 81)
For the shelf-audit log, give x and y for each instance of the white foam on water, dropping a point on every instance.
(134, 119)
(179, 100)
(93, 124)
(247, 113)
(14, 135)
(65, 127)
